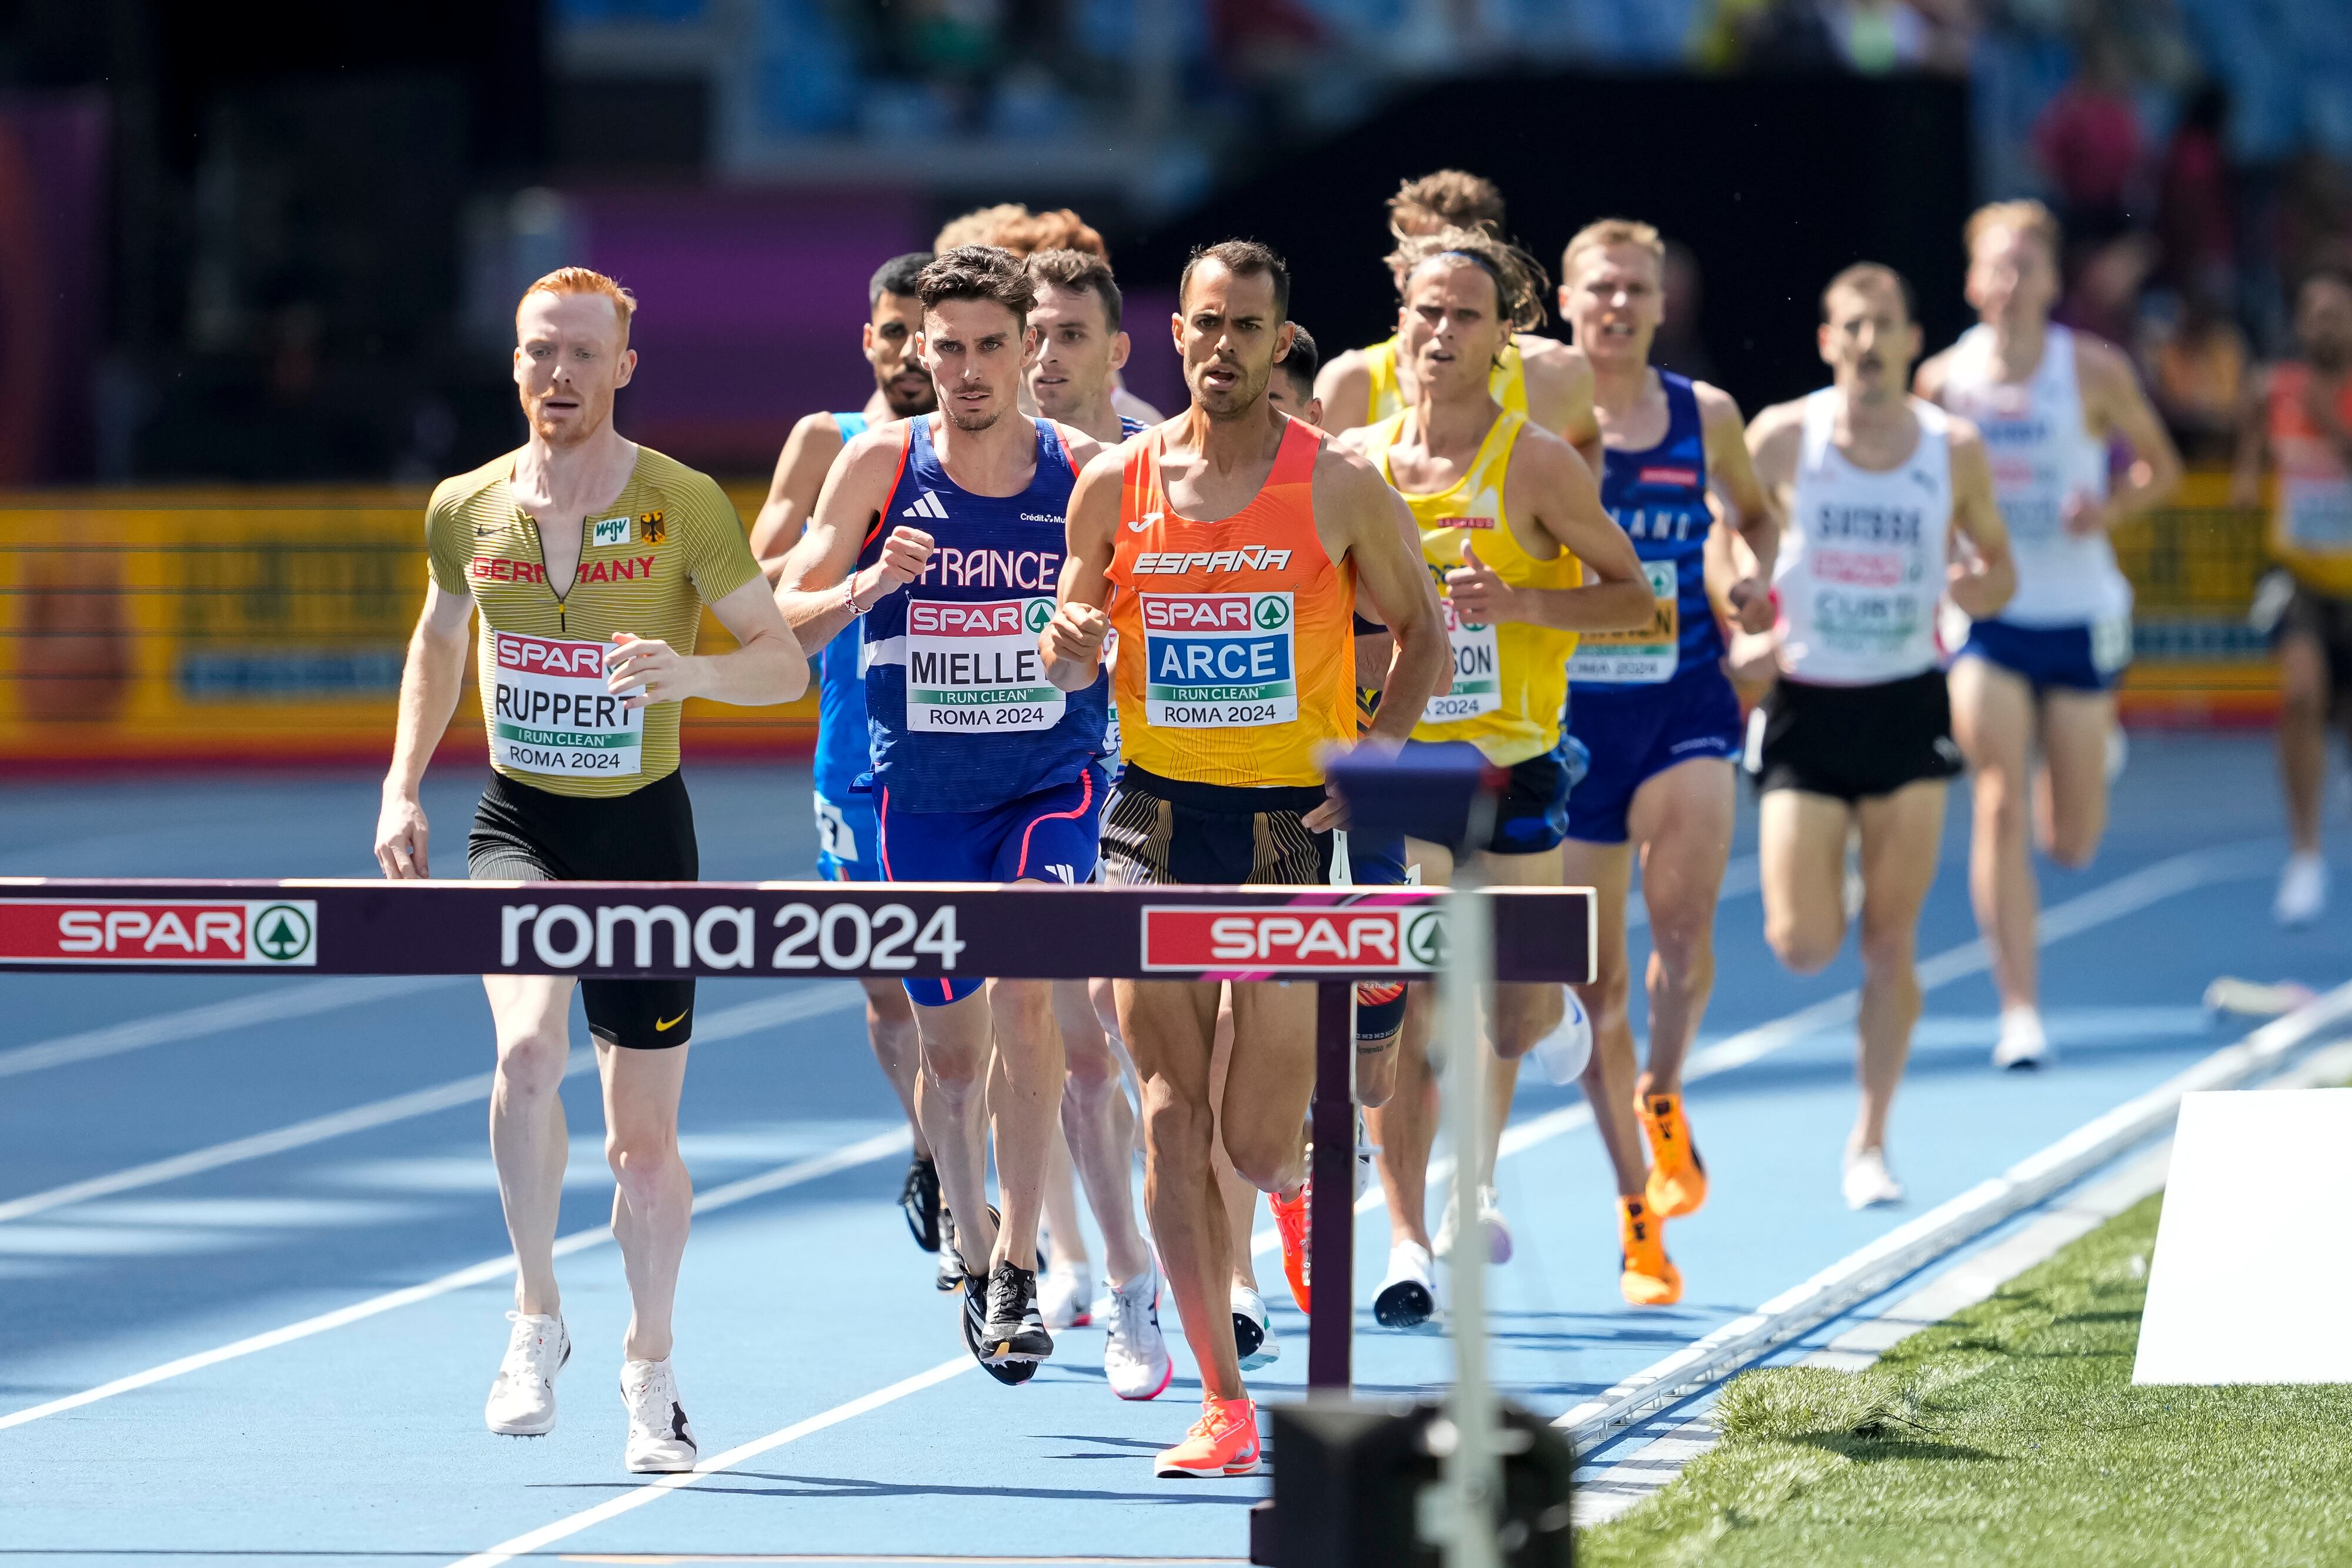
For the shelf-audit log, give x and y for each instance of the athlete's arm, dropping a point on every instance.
(768, 666)
(1071, 644)
(1981, 581)
(2253, 441)
(1774, 438)
(1344, 387)
(809, 585)
(1356, 511)
(1755, 516)
(430, 683)
(1927, 381)
(1559, 392)
(808, 452)
(1549, 483)
(2114, 405)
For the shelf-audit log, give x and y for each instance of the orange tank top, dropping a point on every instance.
(1236, 660)
(2311, 525)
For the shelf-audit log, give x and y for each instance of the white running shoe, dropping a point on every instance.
(1407, 1298)
(660, 1441)
(1490, 1215)
(522, 1395)
(2301, 891)
(2023, 1044)
(1868, 1182)
(1066, 1297)
(1253, 1337)
(1135, 1362)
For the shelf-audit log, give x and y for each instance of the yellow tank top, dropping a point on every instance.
(1510, 682)
(1507, 383)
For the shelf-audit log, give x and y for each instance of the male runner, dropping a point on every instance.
(844, 815)
(1231, 538)
(2049, 403)
(1506, 514)
(2299, 412)
(1660, 723)
(977, 777)
(1540, 377)
(591, 559)
(1875, 486)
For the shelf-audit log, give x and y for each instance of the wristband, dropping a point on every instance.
(849, 597)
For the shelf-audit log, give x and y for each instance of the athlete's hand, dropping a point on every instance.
(904, 555)
(1331, 813)
(1965, 582)
(650, 671)
(1074, 635)
(402, 835)
(1480, 596)
(1751, 603)
(2083, 516)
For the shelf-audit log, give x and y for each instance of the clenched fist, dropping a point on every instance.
(1074, 635)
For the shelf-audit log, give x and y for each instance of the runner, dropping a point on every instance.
(2300, 414)
(1661, 724)
(1540, 377)
(2050, 402)
(1507, 514)
(1857, 733)
(1225, 784)
(844, 814)
(638, 544)
(976, 778)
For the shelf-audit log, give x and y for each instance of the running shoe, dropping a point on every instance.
(660, 1441)
(1677, 1183)
(1254, 1340)
(1066, 1297)
(919, 1197)
(2301, 891)
(1650, 1277)
(1014, 1328)
(1290, 1219)
(2023, 1044)
(975, 1335)
(1135, 1362)
(1490, 1215)
(951, 1270)
(522, 1395)
(1223, 1442)
(1407, 1298)
(1868, 1182)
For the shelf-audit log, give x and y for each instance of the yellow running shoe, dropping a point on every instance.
(1651, 1278)
(1677, 1183)
(1223, 1442)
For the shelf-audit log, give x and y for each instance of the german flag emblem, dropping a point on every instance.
(653, 527)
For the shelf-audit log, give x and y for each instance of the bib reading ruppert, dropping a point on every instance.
(550, 713)
(1214, 661)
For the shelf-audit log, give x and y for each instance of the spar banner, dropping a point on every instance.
(719, 930)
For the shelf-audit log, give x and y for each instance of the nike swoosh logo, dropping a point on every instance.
(661, 1028)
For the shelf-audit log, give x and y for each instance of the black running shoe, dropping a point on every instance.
(975, 1320)
(919, 1197)
(949, 1276)
(1014, 1330)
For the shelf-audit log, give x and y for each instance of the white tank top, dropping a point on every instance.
(2043, 453)
(1863, 563)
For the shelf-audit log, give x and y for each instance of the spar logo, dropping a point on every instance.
(194, 933)
(995, 618)
(521, 653)
(1408, 938)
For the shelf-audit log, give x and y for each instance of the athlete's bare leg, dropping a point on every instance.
(1241, 1198)
(1013, 1021)
(653, 1196)
(1992, 719)
(1682, 818)
(1405, 1127)
(1609, 1076)
(890, 1031)
(529, 1139)
(1066, 1240)
(1099, 1124)
(2070, 802)
(1902, 834)
(1800, 855)
(2304, 701)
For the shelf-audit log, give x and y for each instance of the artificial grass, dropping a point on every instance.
(2011, 1433)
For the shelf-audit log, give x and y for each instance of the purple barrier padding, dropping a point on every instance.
(634, 930)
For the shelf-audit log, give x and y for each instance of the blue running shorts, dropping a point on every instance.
(849, 840)
(2080, 658)
(1635, 733)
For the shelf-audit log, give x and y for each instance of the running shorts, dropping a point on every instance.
(1160, 832)
(1636, 733)
(2082, 658)
(1532, 815)
(848, 838)
(2327, 621)
(1047, 835)
(526, 834)
(1856, 742)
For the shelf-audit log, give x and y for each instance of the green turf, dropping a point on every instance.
(2009, 1434)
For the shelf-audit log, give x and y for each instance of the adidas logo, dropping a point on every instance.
(928, 506)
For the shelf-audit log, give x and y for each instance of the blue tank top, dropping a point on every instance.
(841, 747)
(961, 715)
(1130, 427)
(1659, 497)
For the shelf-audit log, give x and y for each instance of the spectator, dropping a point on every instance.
(2089, 143)
(2195, 368)
(2194, 203)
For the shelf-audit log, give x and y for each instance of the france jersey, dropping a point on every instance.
(1659, 497)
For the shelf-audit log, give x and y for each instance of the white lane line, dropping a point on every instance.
(303, 999)
(881, 1144)
(2127, 894)
(729, 1023)
(547, 1534)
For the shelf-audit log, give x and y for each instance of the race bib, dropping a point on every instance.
(550, 713)
(1646, 655)
(1219, 660)
(1478, 673)
(1110, 717)
(2318, 512)
(2111, 644)
(975, 666)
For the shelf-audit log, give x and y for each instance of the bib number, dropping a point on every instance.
(1478, 673)
(834, 834)
(1646, 655)
(1219, 660)
(972, 668)
(550, 713)
(2111, 644)
(2318, 512)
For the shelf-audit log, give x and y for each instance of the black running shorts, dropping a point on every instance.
(524, 834)
(1854, 742)
(2327, 621)
(1160, 831)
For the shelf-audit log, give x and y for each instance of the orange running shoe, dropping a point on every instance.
(1290, 1220)
(1223, 1442)
(1677, 1183)
(1651, 1278)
